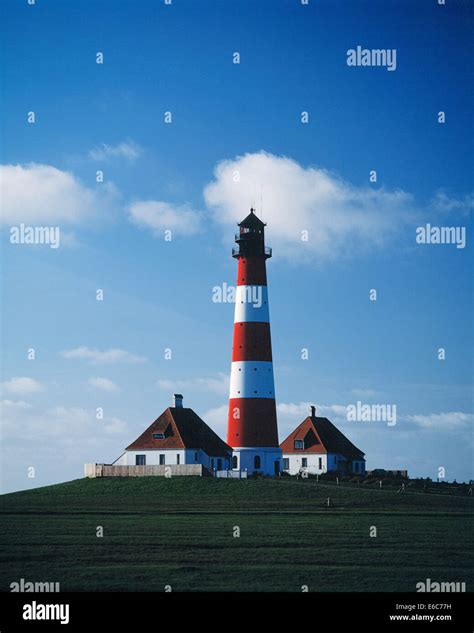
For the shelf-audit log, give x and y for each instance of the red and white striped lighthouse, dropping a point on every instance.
(252, 424)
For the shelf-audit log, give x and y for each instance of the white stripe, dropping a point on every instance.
(251, 379)
(251, 304)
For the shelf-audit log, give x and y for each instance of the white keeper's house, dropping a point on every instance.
(179, 436)
(316, 446)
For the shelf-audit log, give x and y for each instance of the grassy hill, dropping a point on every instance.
(179, 532)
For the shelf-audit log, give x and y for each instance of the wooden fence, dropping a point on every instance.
(172, 470)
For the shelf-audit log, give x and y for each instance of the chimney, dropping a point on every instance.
(313, 411)
(177, 401)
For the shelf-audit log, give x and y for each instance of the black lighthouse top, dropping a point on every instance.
(251, 238)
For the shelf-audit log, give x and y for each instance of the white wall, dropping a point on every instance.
(329, 463)
(361, 467)
(268, 457)
(187, 456)
(152, 457)
(332, 461)
(296, 461)
(205, 459)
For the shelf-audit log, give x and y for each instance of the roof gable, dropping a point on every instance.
(320, 436)
(182, 429)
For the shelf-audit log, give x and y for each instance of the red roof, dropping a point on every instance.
(320, 436)
(182, 428)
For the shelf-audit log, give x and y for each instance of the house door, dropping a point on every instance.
(219, 464)
(277, 467)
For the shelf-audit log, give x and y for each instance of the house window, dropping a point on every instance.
(140, 460)
(219, 464)
(257, 462)
(158, 436)
(299, 445)
(235, 463)
(304, 462)
(286, 463)
(320, 463)
(212, 462)
(335, 459)
(356, 467)
(162, 460)
(178, 458)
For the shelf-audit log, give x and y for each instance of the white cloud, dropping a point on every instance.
(444, 203)
(22, 385)
(126, 149)
(58, 424)
(218, 384)
(106, 356)
(451, 421)
(159, 216)
(104, 384)
(42, 194)
(335, 213)
(216, 418)
(56, 442)
(18, 405)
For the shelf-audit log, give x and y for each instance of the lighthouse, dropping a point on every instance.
(252, 423)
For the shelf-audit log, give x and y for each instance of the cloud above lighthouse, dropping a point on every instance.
(311, 212)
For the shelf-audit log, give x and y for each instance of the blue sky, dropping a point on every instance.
(313, 176)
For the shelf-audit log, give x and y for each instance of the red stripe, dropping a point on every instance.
(252, 342)
(251, 271)
(256, 424)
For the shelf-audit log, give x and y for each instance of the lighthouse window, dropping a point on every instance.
(299, 445)
(257, 461)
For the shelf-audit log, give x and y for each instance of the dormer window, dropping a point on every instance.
(299, 445)
(158, 436)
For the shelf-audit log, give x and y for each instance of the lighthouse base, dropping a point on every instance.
(257, 460)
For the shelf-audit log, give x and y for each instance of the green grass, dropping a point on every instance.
(179, 532)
